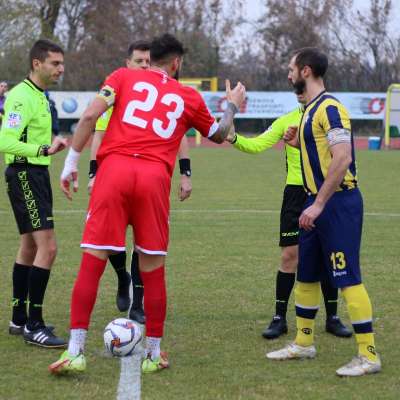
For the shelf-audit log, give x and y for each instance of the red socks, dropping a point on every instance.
(155, 301)
(85, 290)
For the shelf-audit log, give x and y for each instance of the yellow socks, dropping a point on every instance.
(307, 297)
(360, 311)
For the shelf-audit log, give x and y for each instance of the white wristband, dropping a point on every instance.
(70, 163)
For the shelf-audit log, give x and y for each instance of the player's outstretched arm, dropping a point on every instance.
(235, 99)
(86, 126)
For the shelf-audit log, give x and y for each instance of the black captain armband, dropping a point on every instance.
(184, 166)
(92, 169)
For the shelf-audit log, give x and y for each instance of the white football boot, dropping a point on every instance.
(292, 351)
(359, 366)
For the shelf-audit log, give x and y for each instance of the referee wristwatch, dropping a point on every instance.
(184, 167)
(44, 150)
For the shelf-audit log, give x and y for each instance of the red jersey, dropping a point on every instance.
(151, 114)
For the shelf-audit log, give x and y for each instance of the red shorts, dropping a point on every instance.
(129, 191)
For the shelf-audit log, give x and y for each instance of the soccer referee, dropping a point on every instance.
(25, 138)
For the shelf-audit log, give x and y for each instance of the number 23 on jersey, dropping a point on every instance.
(169, 99)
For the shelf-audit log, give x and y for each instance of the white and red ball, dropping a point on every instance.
(122, 336)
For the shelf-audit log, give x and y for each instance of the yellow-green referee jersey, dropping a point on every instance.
(321, 115)
(271, 137)
(26, 125)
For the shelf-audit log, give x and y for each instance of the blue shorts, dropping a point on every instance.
(332, 248)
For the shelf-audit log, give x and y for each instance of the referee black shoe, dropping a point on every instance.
(276, 328)
(335, 326)
(14, 329)
(43, 337)
(123, 298)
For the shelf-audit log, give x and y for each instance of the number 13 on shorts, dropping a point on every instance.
(338, 260)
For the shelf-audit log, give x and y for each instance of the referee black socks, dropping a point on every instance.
(284, 286)
(137, 301)
(330, 294)
(20, 278)
(38, 280)
(118, 261)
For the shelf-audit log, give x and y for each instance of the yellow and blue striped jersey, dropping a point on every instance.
(322, 115)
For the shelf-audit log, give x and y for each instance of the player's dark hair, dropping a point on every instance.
(313, 58)
(164, 47)
(141, 45)
(40, 50)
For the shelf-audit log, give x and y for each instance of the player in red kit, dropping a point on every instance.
(152, 111)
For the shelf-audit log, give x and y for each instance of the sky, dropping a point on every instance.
(254, 9)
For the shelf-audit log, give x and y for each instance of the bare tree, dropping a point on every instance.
(364, 54)
(375, 53)
(48, 13)
(290, 25)
(100, 49)
(71, 27)
(19, 28)
(18, 24)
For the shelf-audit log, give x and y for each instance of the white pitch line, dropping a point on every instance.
(219, 211)
(376, 214)
(129, 385)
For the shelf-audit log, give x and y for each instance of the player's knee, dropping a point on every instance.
(51, 251)
(289, 259)
(150, 262)
(307, 293)
(27, 255)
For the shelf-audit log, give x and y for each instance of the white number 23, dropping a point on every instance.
(148, 104)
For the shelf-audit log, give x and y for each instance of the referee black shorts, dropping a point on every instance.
(294, 198)
(29, 190)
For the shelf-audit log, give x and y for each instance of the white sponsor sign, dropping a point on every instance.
(271, 105)
(263, 105)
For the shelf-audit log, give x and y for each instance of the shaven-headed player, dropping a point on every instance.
(331, 221)
(152, 112)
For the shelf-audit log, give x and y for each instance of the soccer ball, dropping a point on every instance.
(121, 337)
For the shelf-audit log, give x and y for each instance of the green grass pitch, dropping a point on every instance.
(221, 269)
